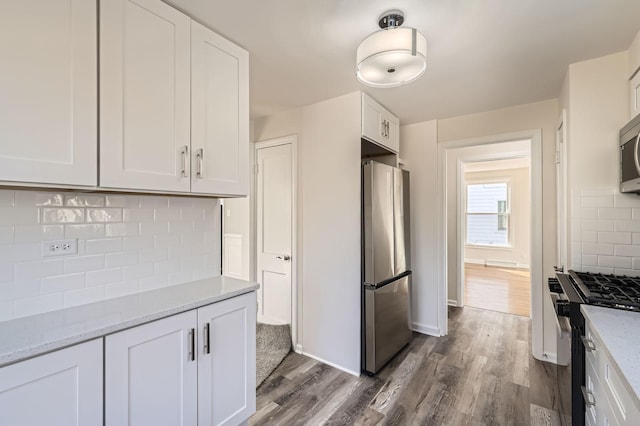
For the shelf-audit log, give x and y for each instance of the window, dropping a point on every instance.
(488, 214)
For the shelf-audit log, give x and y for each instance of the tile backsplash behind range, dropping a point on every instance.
(126, 244)
(605, 232)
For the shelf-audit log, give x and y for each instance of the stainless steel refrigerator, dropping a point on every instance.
(386, 266)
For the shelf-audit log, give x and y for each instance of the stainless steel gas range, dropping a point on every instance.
(568, 292)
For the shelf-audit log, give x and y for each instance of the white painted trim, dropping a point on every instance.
(353, 373)
(489, 262)
(295, 290)
(426, 329)
(298, 349)
(452, 302)
(535, 152)
(551, 357)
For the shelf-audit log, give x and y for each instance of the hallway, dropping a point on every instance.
(498, 289)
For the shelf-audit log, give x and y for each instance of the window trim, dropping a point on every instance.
(508, 180)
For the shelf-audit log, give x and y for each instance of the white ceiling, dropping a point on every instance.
(482, 54)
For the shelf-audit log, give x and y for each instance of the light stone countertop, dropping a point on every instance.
(619, 331)
(27, 337)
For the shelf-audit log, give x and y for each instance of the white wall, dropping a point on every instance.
(126, 244)
(419, 149)
(330, 204)
(518, 253)
(604, 228)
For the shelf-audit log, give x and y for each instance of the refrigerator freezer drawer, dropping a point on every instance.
(386, 322)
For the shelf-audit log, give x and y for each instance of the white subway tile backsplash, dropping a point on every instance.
(38, 269)
(628, 225)
(614, 213)
(635, 214)
(131, 229)
(597, 192)
(126, 244)
(39, 304)
(84, 200)
(20, 215)
(121, 289)
(627, 272)
(590, 259)
(597, 201)
(138, 215)
(7, 198)
(83, 263)
(6, 234)
(626, 200)
(614, 262)
(589, 237)
(635, 263)
(627, 250)
(84, 231)
(53, 215)
(597, 225)
(83, 296)
(107, 245)
(104, 215)
(135, 272)
(104, 276)
(62, 283)
(19, 290)
(598, 248)
(37, 233)
(121, 259)
(33, 198)
(154, 228)
(598, 270)
(614, 237)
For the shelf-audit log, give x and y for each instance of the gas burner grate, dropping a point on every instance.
(616, 291)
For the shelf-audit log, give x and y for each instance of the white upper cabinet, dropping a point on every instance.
(63, 388)
(144, 96)
(48, 91)
(219, 114)
(379, 125)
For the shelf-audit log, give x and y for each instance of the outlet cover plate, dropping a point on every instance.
(60, 247)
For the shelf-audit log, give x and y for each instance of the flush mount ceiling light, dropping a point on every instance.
(393, 56)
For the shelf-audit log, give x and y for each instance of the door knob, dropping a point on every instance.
(286, 257)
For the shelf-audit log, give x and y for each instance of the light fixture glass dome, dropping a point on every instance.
(391, 57)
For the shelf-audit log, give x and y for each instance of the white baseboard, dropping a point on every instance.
(426, 329)
(501, 264)
(346, 370)
(298, 349)
(452, 302)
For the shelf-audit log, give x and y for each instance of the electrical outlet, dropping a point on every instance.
(60, 247)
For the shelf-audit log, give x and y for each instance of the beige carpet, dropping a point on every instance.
(273, 343)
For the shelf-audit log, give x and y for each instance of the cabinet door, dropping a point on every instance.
(144, 96)
(48, 87)
(227, 363)
(62, 388)
(219, 114)
(150, 373)
(393, 134)
(635, 95)
(371, 120)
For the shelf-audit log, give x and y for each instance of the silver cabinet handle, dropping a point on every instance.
(184, 152)
(207, 348)
(589, 399)
(588, 344)
(192, 344)
(387, 129)
(199, 165)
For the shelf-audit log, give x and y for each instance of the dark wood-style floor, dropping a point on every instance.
(499, 289)
(482, 373)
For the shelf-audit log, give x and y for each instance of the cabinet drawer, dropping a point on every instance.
(603, 412)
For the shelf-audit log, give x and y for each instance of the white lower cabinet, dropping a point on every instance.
(60, 388)
(197, 367)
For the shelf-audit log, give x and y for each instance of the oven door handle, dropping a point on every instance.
(563, 323)
(589, 346)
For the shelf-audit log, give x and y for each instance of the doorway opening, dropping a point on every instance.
(453, 155)
(495, 212)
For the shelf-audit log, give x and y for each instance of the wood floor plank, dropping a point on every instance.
(499, 289)
(482, 373)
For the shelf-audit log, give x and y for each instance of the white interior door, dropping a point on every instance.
(274, 202)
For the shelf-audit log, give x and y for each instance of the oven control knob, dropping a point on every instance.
(562, 308)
